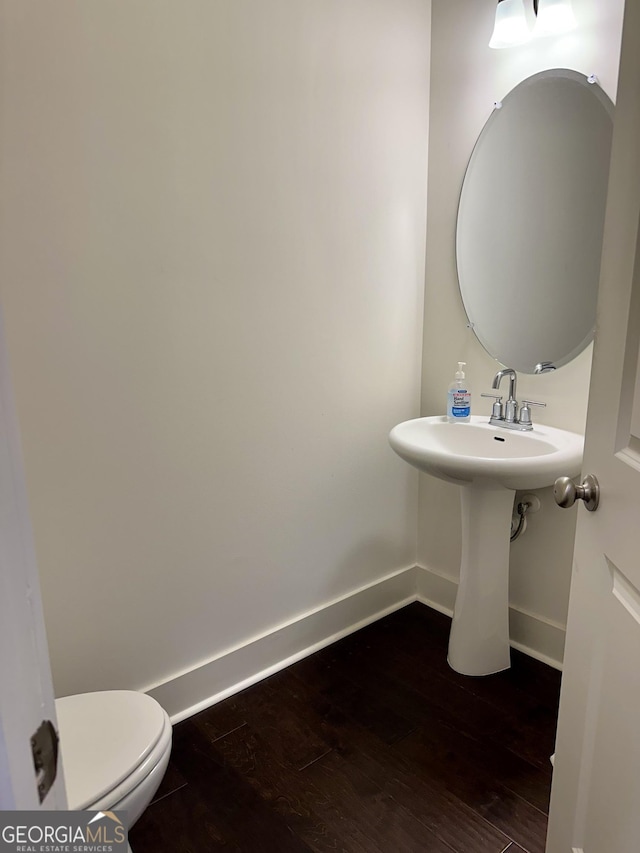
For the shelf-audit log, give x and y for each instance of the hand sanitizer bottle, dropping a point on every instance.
(459, 398)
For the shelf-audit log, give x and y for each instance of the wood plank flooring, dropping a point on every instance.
(372, 745)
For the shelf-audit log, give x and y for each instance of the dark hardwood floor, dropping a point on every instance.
(372, 745)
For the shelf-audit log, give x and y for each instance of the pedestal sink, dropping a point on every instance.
(488, 463)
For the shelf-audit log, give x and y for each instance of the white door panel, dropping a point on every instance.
(26, 692)
(595, 804)
(615, 782)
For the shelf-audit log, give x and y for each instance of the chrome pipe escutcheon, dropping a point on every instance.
(566, 492)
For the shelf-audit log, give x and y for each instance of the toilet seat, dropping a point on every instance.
(110, 742)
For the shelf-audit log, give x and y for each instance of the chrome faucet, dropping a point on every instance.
(509, 416)
(511, 406)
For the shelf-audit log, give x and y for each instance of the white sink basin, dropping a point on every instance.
(488, 463)
(466, 452)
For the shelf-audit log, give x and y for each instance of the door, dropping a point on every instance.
(595, 802)
(26, 693)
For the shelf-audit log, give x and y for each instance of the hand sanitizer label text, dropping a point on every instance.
(461, 407)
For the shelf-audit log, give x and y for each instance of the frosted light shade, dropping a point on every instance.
(511, 24)
(554, 16)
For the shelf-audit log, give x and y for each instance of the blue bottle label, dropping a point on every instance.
(460, 403)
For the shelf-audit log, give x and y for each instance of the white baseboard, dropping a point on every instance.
(535, 636)
(186, 693)
(233, 670)
(435, 590)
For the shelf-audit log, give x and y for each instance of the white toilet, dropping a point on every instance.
(115, 748)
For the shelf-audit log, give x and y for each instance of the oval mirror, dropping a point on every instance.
(530, 221)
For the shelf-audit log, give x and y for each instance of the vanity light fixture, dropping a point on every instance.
(511, 28)
(553, 17)
(511, 24)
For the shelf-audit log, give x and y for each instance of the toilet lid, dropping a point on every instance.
(103, 738)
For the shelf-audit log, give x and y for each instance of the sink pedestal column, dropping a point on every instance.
(479, 640)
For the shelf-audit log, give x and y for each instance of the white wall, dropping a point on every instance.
(466, 79)
(212, 264)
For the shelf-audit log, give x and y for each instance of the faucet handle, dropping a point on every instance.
(496, 411)
(525, 411)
